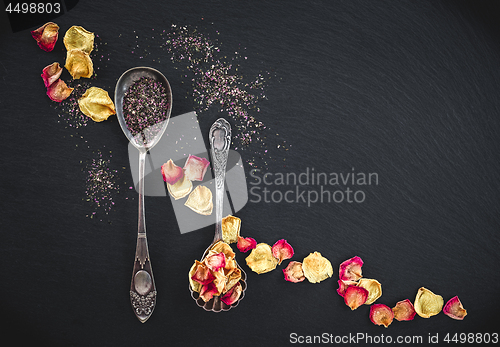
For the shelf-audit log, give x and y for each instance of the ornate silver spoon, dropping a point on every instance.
(142, 286)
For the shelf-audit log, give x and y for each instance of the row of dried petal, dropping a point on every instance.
(46, 36)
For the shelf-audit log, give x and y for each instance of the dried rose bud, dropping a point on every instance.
(200, 201)
(208, 291)
(46, 36)
(282, 250)
(404, 310)
(381, 314)
(202, 274)
(232, 295)
(374, 289)
(51, 73)
(246, 243)
(171, 173)
(78, 38)
(316, 267)
(58, 91)
(261, 259)
(454, 309)
(355, 296)
(427, 303)
(350, 270)
(215, 261)
(195, 168)
(343, 285)
(293, 272)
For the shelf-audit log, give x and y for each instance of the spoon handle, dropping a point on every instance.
(142, 286)
(220, 141)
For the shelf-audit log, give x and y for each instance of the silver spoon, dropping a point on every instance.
(220, 141)
(142, 286)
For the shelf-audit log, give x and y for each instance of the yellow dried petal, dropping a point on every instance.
(427, 303)
(261, 259)
(79, 64)
(230, 229)
(96, 104)
(373, 287)
(78, 38)
(232, 279)
(219, 281)
(223, 247)
(181, 188)
(200, 201)
(195, 286)
(316, 267)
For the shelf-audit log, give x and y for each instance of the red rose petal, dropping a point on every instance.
(246, 244)
(355, 296)
(46, 36)
(203, 275)
(232, 295)
(454, 309)
(343, 285)
(58, 91)
(171, 173)
(51, 73)
(350, 270)
(381, 314)
(208, 291)
(216, 261)
(282, 250)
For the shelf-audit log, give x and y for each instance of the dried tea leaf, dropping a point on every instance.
(374, 289)
(261, 259)
(350, 270)
(230, 229)
(202, 274)
(355, 296)
(46, 36)
(79, 64)
(215, 261)
(195, 285)
(196, 167)
(316, 267)
(232, 295)
(171, 173)
(343, 285)
(454, 309)
(282, 250)
(427, 304)
(181, 188)
(404, 310)
(58, 91)
(381, 314)
(51, 73)
(78, 38)
(246, 243)
(293, 272)
(96, 104)
(223, 247)
(200, 200)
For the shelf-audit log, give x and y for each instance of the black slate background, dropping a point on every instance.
(407, 89)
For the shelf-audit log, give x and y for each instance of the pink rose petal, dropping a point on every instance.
(282, 250)
(171, 173)
(46, 36)
(232, 295)
(203, 275)
(404, 310)
(58, 91)
(454, 309)
(246, 244)
(350, 270)
(208, 291)
(195, 168)
(343, 285)
(293, 272)
(51, 73)
(355, 296)
(381, 314)
(216, 261)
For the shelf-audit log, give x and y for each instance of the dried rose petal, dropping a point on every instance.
(195, 168)
(230, 229)
(208, 291)
(427, 303)
(261, 259)
(51, 73)
(180, 189)
(200, 201)
(78, 38)
(381, 314)
(454, 309)
(232, 295)
(58, 91)
(230, 266)
(232, 279)
(195, 286)
(316, 267)
(355, 296)
(96, 104)
(404, 310)
(223, 247)
(343, 285)
(374, 289)
(202, 274)
(282, 250)
(171, 173)
(246, 243)
(350, 270)
(46, 36)
(79, 64)
(293, 272)
(219, 280)
(215, 261)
